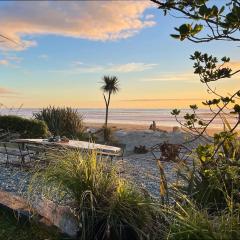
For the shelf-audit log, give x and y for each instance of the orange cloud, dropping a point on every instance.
(4, 62)
(5, 92)
(95, 20)
(162, 99)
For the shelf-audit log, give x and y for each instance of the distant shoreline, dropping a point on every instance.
(137, 127)
(129, 119)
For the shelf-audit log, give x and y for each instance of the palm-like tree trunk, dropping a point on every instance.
(106, 116)
(107, 102)
(110, 86)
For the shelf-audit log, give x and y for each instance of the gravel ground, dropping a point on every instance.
(146, 175)
(141, 168)
(13, 179)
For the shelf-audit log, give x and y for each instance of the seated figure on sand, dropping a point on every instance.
(153, 126)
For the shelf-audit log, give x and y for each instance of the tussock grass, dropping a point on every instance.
(107, 206)
(189, 222)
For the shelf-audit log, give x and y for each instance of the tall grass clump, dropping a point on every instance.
(62, 121)
(107, 206)
(214, 179)
(189, 222)
(204, 202)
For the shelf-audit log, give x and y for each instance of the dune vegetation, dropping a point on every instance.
(204, 201)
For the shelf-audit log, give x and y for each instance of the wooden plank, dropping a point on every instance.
(13, 201)
(52, 213)
(72, 144)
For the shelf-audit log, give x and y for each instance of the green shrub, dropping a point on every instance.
(191, 223)
(62, 121)
(29, 128)
(214, 179)
(107, 206)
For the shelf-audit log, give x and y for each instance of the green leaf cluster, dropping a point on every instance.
(27, 128)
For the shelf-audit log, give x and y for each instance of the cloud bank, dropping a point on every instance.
(5, 92)
(80, 67)
(166, 77)
(161, 99)
(94, 20)
(4, 62)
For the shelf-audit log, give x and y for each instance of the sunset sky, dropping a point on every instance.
(66, 48)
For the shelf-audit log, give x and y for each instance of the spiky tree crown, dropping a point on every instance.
(110, 84)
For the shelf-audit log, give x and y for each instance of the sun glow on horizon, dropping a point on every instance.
(67, 47)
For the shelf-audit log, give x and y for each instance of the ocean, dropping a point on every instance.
(162, 117)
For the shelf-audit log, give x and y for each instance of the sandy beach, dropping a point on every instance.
(137, 127)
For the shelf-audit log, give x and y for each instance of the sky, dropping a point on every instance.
(66, 47)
